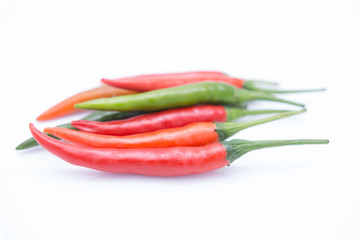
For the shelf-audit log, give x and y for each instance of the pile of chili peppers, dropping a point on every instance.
(162, 124)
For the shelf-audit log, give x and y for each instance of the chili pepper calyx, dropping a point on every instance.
(256, 86)
(233, 113)
(237, 147)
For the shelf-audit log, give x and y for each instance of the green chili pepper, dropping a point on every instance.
(180, 96)
(101, 116)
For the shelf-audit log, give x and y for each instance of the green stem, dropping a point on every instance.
(247, 95)
(253, 85)
(233, 113)
(228, 129)
(253, 82)
(236, 148)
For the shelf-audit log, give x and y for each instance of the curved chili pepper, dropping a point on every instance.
(67, 106)
(194, 134)
(180, 96)
(101, 116)
(175, 161)
(166, 119)
(143, 83)
(191, 74)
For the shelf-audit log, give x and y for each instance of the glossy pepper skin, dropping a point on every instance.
(166, 119)
(101, 116)
(180, 96)
(182, 74)
(66, 106)
(194, 134)
(143, 83)
(176, 161)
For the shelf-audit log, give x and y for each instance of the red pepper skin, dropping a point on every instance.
(145, 83)
(194, 134)
(189, 74)
(176, 161)
(155, 121)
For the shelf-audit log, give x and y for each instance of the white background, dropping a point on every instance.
(50, 51)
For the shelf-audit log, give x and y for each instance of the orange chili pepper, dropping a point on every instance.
(67, 106)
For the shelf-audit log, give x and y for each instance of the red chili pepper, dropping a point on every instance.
(174, 161)
(194, 134)
(166, 119)
(145, 83)
(188, 74)
(151, 82)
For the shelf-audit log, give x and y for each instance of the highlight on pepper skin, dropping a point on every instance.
(173, 161)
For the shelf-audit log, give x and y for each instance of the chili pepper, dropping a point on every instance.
(185, 74)
(157, 81)
(180, 96)
(175, 161)
(166, 119)
(67, 106)
(101, 116)
(194, 134)
(145, 83)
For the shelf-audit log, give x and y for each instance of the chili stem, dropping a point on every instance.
(236, 148)
(244, 95)
(233, 113)
(260, 82)
(228, 129)
(253, 85)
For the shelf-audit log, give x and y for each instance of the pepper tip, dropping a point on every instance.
(32, 128)
(39, 118)
(78, 105)
(105, 80)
